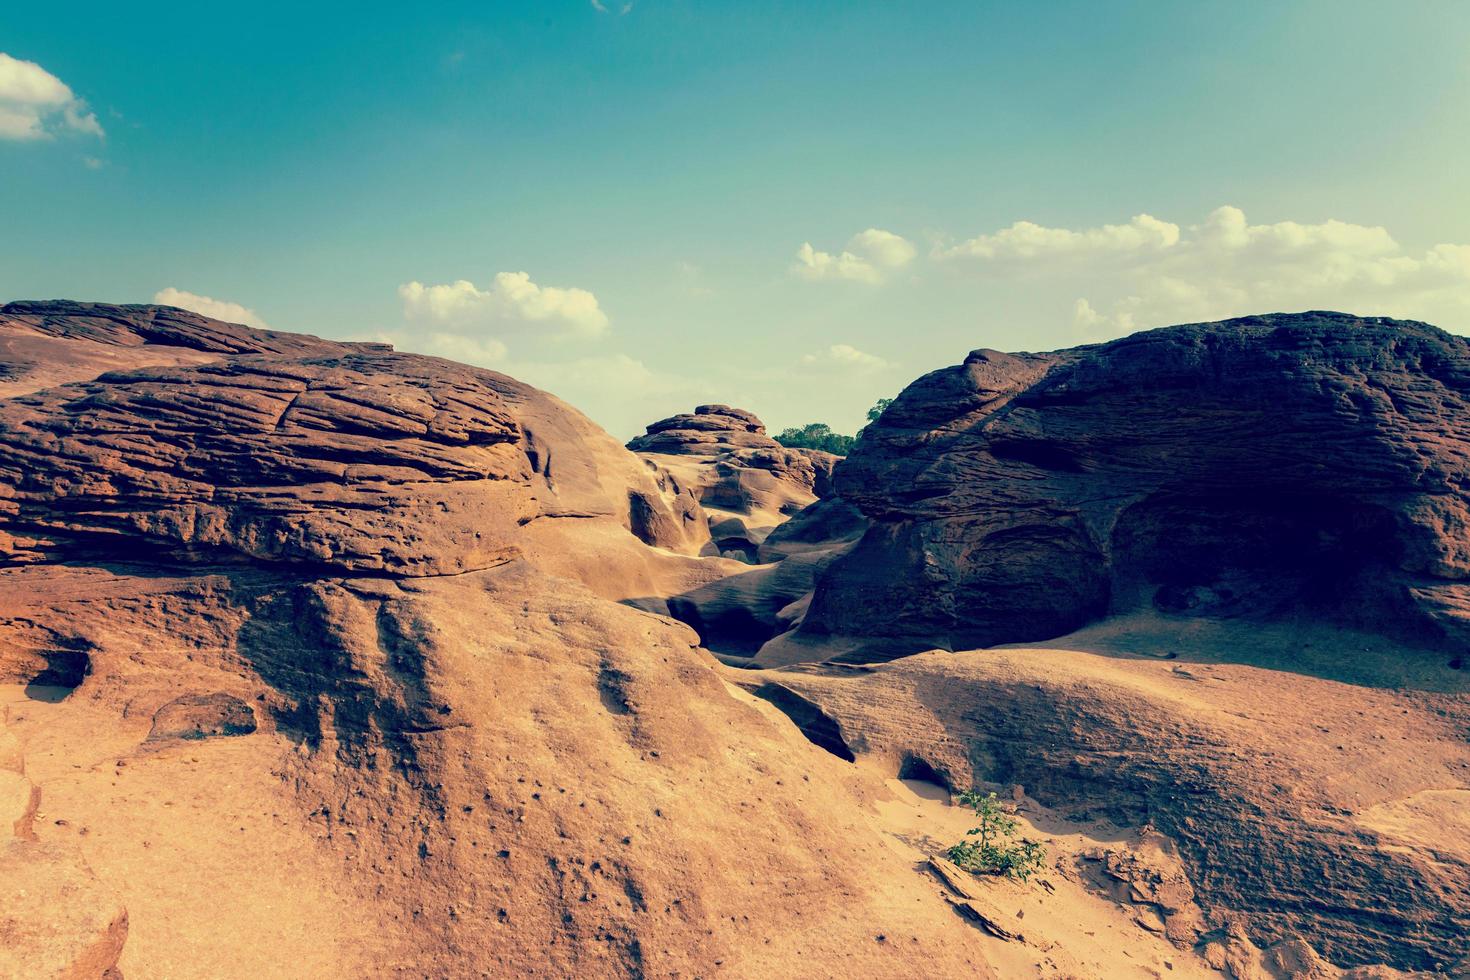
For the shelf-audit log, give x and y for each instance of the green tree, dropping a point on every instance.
(817, 435)
(878, 409)
(992, 847)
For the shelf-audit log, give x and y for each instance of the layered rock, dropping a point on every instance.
(317, 639)
(710, 430)
(746, 481)
(296, 449)
(754, 491)
(1314, 464)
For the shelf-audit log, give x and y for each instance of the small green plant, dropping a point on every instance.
(992, 847)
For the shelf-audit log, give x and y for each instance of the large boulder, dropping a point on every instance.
(709, 430)
(1314, 464)
(747, 482)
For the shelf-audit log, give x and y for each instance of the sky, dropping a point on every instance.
(795, 208)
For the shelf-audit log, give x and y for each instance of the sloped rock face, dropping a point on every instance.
(297, 636)
(289, 448)
(751, 488)
(1302, 808)
(1306, 464)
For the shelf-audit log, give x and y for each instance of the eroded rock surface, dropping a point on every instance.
(296, 449)
(747, 482)
(57, 920)
(1274, 787)
(1314, 464)
(318, 638)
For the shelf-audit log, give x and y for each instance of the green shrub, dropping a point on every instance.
(996, 851)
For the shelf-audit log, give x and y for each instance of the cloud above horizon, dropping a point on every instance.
(870, 256)
(1028, 240)
(1149, 272)
(36, 105)
(463, 322)
(844, 357)
(209, 306)
(511, 303)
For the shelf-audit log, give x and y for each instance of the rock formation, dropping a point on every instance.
(1302, 808)
(746, 481)
(763, 504)
(346, 455)
(56, 918)
(378, 659)
(316, 637)
(1314, 464)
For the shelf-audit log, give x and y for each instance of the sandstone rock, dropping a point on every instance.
(465, 762)
(961, 882)
(57, 922)
(295, 449)
(709, 430)
(763, 507)
(11, 759)
(1312, 464)
(46, 344)
(19, 798)
(746, 481)
(991, 919)
(1245, 774)
(194, 716)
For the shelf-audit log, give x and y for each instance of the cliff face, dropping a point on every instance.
(1310, 464)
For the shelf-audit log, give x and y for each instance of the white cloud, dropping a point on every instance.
(1152, 273)
(1028, 240)
(869, 257)
(208, 306)
(511, 302)
(35, 104)
(845, 357)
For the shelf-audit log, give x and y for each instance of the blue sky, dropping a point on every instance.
(390, 171)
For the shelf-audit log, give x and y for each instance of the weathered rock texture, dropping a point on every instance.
(1302, 808)
(1312, 464)
(747, 482)
(347, 455)
(57, 921)
(753, 490)
(315, 639)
